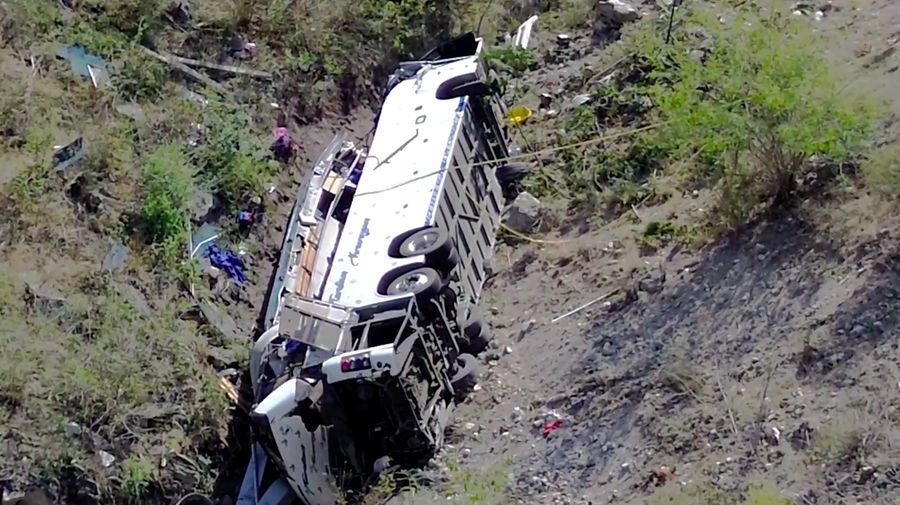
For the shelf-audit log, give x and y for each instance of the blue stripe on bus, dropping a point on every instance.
(448, 149)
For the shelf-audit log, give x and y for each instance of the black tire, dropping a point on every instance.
(465, 376)
(511, 173)
(194, 499)
(416, 279)
(467, 368)
(445, 265)
(474, 323)
(476, 345)
(429, 241)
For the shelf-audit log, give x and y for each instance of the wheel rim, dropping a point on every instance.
(422, 242)
(409, 283)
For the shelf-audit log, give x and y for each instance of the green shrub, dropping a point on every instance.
(517, 59)
(231, 156)
(743, 107)
(757, 106)
(138, 475)
(474, 488)
(882, 170)
(167, 186)
(24, 22)
(139, 78)
(131, 17)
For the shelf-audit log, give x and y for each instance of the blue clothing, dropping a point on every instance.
(228, 261)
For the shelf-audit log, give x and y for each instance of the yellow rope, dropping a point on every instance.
(540, 152)
(548, 150)
(531, 239)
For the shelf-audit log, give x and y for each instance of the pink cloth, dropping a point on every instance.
(281, 132)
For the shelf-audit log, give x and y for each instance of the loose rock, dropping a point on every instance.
(44, 297)
(524, 212)
(612, 14)
(219, 320)
(106, 459)
(115, 259)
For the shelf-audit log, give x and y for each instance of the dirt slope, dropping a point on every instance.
(768, 358)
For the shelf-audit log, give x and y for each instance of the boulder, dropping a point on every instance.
(134, 297)
(523, 213)
(43, 297)
(221, 321)
(612, 14)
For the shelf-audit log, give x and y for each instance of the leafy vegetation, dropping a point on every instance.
(747, 108)
(709, 495)
(882, 170)
(95, 373)
(168, 185)
(518, 60)
(468, 487)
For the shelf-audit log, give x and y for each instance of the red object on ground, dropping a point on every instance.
(551, 427)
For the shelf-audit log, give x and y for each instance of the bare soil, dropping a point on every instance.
(768, 358)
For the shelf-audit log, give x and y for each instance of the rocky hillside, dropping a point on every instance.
(694, 301)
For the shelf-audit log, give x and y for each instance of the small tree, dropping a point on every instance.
(752, 106)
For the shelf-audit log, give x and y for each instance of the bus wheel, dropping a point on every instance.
(476, 331)
(432, 242)
(423, 282)
(479, 343)
(474, 322)
(445, 265)
(465, 375)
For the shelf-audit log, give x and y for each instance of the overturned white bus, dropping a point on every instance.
(373, 325)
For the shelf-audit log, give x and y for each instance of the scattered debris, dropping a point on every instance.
(582, 99)
(523, 213)
(382, 464)
(84, 64)
(518, 115)
(245, 219)
(203, 236)
(546, 100)
(283, 146)
(228, 261)
(116, 257)
(73, 429)
(586, 305)
(552, 421)
(223, 68)
(66, 156)
(106, 459)
(523, 34)
(197, 76)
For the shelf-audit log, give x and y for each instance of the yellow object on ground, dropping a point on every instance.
(518, 115)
